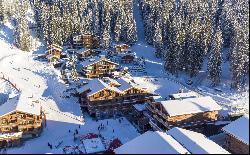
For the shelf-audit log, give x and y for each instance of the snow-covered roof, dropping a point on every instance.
(94, 145)
(185, 95)
(94, 85)
(20, 103)
(55, 46)
(97, 85)
(158, 98)
(196, 143)
(82, 50)
(94, 60)
(190, 106)
(239, 129)
(140, 107)
(152, 143)
(50, 56)
(125, 84)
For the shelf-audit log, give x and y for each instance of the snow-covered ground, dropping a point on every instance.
(42, 81)
(231, 100)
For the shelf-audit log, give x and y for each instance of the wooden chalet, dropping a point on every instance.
(77, 41)
(181, 96)
(237, 136)
(123, 48)
(86, 53)
(108, 97)
(186, 113)
(19, 117)
(54, 52)
(90, 41)
(97, 67)
(127, 58)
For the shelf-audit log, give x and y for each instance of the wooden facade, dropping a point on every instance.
(165, 121)
(128, 58)
(139, 120)
(88, 53)
(236, 146)
(16, 122)
(90, 41)
(100, 68)
(121, 48)
(108, 102)
(55, 50)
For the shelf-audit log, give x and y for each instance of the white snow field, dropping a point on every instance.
(42, 81)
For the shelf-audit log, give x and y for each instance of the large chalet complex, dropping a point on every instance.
(108, 97)
(19, 118)
(98, 67)
(186, 113)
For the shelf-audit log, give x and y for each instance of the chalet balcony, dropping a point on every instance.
(150, 109)
(161, 121)
(155, 126)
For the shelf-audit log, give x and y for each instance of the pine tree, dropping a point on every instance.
(215, 59)
(240, 58)
(158, 41)
(118, 28)
(21, 34)
(1, 12)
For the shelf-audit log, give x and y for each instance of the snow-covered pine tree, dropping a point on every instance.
(75, 16)
(240, 57)
(158, 40)
(106, 39)
(215, 59)
(22, 34)
(38, 17)
(56, 29)
(118, 28)
(1, 12)
(45, 20)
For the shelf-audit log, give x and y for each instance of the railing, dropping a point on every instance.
(155, 126)
(6, 78)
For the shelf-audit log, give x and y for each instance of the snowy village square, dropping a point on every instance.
(124, 77)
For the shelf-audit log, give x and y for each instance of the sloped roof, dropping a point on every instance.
(152, 143)
(190, 106)
(82, 50)
(185, 95)
(94, 85)
(20, 103)
(196, 143)
(124, 84)
(97, 85)
(94, 60)
(239, 129)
